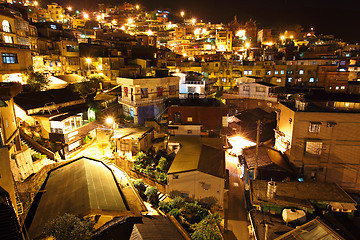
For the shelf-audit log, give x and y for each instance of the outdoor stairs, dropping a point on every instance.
(9, 226)
(32, 149)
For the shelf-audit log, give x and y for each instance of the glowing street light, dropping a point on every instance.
(149, 33)
(193, 21)
(130, 21)
(69, 8)
(109, 121)
(86, 16)
(36, 3)
(98, 17)
(247, 45)
(182, 14)
(88, 60)
(282, 38)
(137, 7)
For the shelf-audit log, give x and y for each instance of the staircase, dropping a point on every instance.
(9, 226)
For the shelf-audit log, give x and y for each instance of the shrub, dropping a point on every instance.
(177, 202)
(175, 213)
(37, 156)
(140, 187)
(152, 196)
(165, 207)
(194, 213)
(161, 177)
(207, 229)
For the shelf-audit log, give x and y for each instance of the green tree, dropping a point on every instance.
(175, 213)
(69, 227)
(194, 212)
(140, 187)
(36, 80)
(89, 86)
(177, 202)
(165, 207)
(207, 229)
(161, 177)
(152, 196)
(162, 165)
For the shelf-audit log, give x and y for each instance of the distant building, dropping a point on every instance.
(224, 40)
(258, 90)
(198, 170)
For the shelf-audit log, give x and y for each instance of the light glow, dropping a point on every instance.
(238, 143)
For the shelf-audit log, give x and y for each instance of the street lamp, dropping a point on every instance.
(109, 121)
(88, 60)
(193, 21)
(137, 7)
(86, 16)
(182, 14)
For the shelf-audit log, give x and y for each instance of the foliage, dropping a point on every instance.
(161, 177)
(152, 196)
(87, 139)
(165, 207)
(177, 202)
(37, 81)
(89, 86)
(175, 213)
(219, 93)
(194, 212)
(68, 227)
(140, 187)
(207, 228)
(129, 118)
(37, 156)
(162, 165)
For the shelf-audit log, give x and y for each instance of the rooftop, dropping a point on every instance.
(299, 193)
(203, 154)
(81, 187)
(131, 133)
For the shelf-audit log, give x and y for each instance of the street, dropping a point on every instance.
(235, 211)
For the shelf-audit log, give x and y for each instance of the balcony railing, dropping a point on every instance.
(142, 102)
(13, 45)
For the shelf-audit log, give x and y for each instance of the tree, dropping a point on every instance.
(207, 229)
(194, 212)
(152, 196)
(162, 165)
(140, 187)
(36, 80)
(177, 202)
(69, 227)
(89, 86)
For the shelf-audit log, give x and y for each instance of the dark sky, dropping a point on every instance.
(338, 17)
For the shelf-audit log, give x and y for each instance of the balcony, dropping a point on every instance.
(142, 102)
(13, 45)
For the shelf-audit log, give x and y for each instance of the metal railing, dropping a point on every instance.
(143, 102)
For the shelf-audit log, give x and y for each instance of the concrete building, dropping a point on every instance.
(198, 170)
(56, 12)
(144, 98)
(224, 40)
(191, 85)
(258, 90)
(321, 138)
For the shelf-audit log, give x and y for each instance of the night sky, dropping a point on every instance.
(340, 18)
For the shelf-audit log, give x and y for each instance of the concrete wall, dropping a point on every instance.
(339, 155)
(197, 185)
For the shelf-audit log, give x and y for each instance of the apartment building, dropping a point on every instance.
(321, 137)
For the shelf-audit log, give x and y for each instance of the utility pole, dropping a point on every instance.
(257, 148)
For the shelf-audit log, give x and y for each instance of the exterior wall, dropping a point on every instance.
(197, 185)
(185, 130)
(337, 158)
(6, 180)
(210, 117)
(8, 122)
(256, 91)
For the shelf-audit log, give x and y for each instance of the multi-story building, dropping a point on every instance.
(14, 46)
(224, 40)
(191, 85)
(56, 12)
(144, 98)
(321, 137)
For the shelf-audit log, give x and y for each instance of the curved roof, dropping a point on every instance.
(81, 187)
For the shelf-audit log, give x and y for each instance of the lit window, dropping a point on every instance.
(250, 72)
(337, 87)
(246, 88)
(311, 80)
(223, 79)
(342, 63)
(6, 26)
(8, 39)
(268, 72)
(282, 72)
(276, 72)
(9, 58)
(342, 87)
(313, 147)
(189, 119)
(314, 127)
(289, 79)
(246, 72)
(301, 72)
(278, 80)
(144, 93)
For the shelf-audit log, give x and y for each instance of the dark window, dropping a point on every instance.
(144, 93)
(9, 58)
(177, 118)
(159, 91)
(172, 90)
